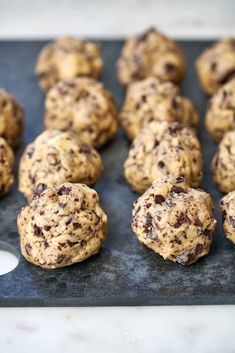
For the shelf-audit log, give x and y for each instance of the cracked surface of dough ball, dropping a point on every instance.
(6, 167)
(227, 205)
(174, 220)
(220, 116)
(67, 58)
(223, 164)
(149, 100)
(61, 226)
(85, 107)
(160, 149)
(151, 54)
(56, 157)
(11, 118)
(216, 65)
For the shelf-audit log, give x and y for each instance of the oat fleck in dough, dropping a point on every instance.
(151, 54)
(174, 220)
(149, 100)
(6, 167)
(163, 148)
(61, 226)
(85, 107)
(223, 164)
(56, 157)
(11, 118)
(216, 65)
(227, 205)
(67, 58)
(220, 116)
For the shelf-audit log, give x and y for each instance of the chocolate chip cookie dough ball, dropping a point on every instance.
(163, 148)
(149, 100)
(220, 116)
(6, 167)
(11, 118)
(174, 220)
(223, 164)
(67, 58)
(61, 226)
(151, 54)
(56, 157)
(227, 205)
(85, 107)
(216, 65)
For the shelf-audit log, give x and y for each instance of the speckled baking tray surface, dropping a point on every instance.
(124, 272)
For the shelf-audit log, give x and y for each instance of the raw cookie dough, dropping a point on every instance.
(6, 167)
(151, 54)
(11, 118)
(216, 65)
(163, 148)
(175, 220)
(84, 106)
(149, 100)
(67, 58)
(56, 157)
(220, 116)
(227, 205)
(61, 226)
(223, 164)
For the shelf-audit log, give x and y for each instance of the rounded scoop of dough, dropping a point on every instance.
(174, 220)
(223, 164)
(85, 107)
(148, 100)
(67, 58)
(221, 111)
(61, 226)
(216, 65)
(6, 167)
(160, 149)
(56, 157)
(227, 205)
(151, 54)
(11, 118)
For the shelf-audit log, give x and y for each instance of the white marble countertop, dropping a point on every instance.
(182, 329)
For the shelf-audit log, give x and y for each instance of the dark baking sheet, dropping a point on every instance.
(124, 272)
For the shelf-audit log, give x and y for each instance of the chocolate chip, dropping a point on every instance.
(190, 256)
(175, 128)
(174, 104)
(181, 220)
(60, 258)
(179, 179)
(77, 225)
(170, 68)
(37, 231)
(30, 152)
(197, 222)
(227, 76)
(161, 164)
(159, 199)
(64, 190)
(39, 190)
(208, 233)
(68, 221)
(213, 66)
(232, 221)
(178, 190)
(71, 243)
(148, 220)
(85, 148)
(28, 248)
(47, 228)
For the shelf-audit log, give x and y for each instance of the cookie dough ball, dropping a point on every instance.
(163, 148)
(67, 58)
(223, 164)
(84, 106)
(6, 167)
(54, 158)
(216, 65)
(149, 100)
(227, 205)
(61, 226)
(11, 118)
(220, 116)
(151, 54)
(174, 220)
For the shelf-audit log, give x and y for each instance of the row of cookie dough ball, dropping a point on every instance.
(63, 95)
